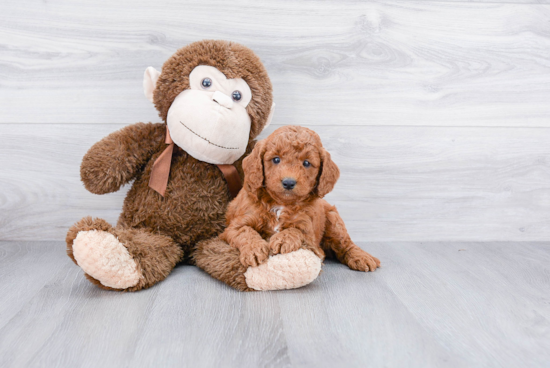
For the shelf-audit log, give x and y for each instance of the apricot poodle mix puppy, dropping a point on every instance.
(281, 210)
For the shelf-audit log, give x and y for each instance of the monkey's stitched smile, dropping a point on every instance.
(214, 144)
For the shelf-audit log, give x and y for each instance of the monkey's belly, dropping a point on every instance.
(193, 208)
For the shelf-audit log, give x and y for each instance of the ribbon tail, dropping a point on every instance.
(161, 171)
(232, 178)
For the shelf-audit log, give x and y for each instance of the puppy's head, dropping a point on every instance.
(291, 164)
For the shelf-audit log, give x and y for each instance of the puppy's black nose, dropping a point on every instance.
(289, 183)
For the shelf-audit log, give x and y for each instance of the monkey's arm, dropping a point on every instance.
(119, 157)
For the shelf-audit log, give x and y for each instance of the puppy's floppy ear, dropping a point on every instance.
(253, 168)
(328, 176)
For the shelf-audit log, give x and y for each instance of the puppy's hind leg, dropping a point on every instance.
(347, 252)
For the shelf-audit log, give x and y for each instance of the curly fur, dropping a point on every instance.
(267, 219)
(161, 231)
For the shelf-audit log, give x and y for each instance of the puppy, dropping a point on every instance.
(281, 209)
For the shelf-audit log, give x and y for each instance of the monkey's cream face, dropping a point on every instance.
(209, 120)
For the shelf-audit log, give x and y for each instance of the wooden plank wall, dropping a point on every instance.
(438, 113)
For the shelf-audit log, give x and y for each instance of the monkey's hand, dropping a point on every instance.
(118, 158)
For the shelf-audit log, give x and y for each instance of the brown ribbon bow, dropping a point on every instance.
(161, 171)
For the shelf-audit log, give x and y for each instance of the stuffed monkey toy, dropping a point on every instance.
(214, 98)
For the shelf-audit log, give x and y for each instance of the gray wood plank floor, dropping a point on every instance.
(430, 305)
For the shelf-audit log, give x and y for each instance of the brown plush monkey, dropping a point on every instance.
(214, 97)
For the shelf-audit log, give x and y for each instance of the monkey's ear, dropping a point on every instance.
(253, 168)
(269, 117)
(150, 79)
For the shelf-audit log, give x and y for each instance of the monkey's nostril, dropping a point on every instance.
(288, 183)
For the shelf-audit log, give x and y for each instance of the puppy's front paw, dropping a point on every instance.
(254, 255)
(360, 260)
(285, 242)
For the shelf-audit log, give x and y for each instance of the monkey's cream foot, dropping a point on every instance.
(121, 258)
(284, 271)
(101, 255)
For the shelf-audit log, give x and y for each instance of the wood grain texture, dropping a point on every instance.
(331, 62)
(492, 1)
(430, 305)
(436, 112)
(397, 183)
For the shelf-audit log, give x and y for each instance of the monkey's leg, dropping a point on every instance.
(121, 258)
(282, 271)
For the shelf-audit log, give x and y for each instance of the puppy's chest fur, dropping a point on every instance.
(280, 217)
(275, 223)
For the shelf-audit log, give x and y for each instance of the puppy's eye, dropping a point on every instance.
(306, 163)
(236, 95)
(276, 160)
(206, 82)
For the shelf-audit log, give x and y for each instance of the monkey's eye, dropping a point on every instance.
(206, 82)
(306, 163)
(236, 95)
(276, 160)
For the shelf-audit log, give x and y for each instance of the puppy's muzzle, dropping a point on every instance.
(289, 183)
